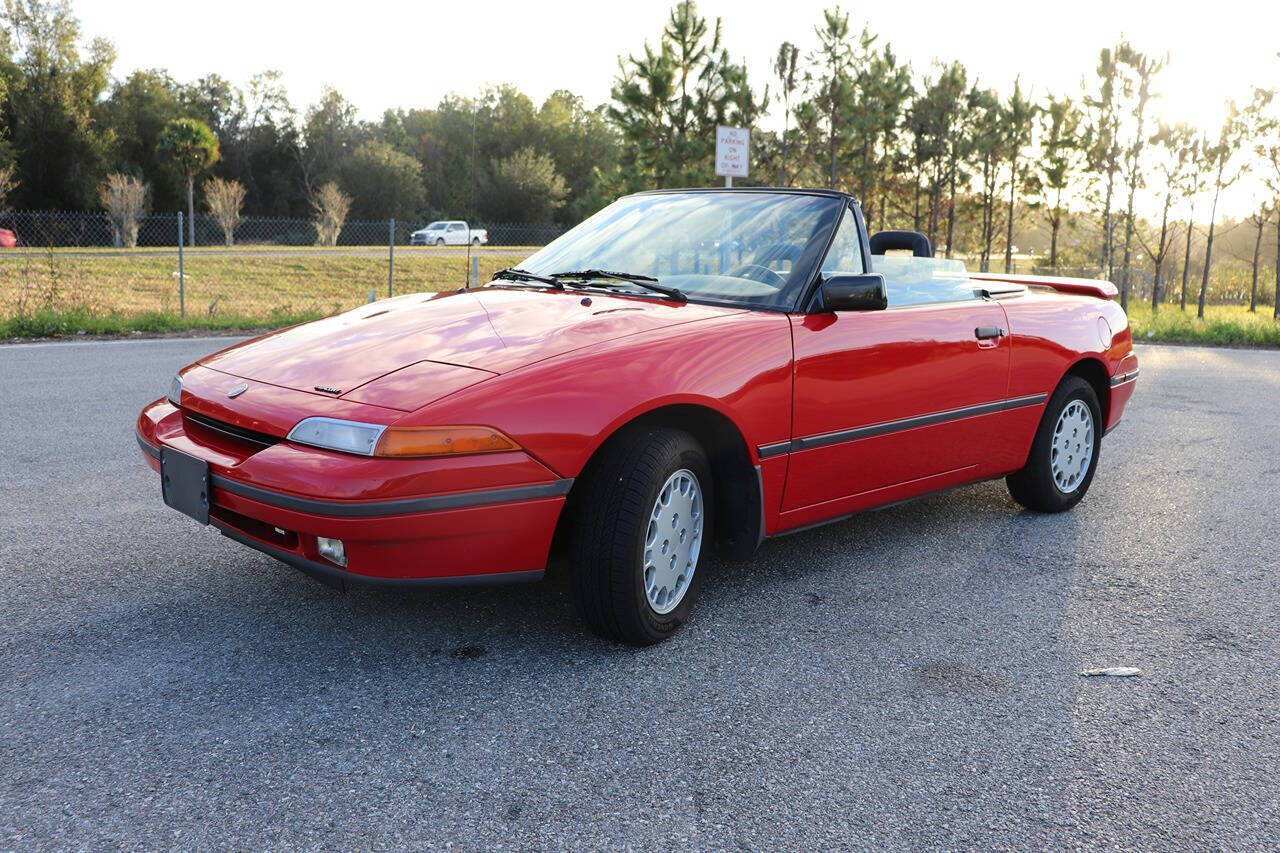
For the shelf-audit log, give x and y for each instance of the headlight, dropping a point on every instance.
(334, 434)
(175, 391)
(377, 440)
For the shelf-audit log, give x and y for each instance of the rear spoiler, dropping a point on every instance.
(1085, 286)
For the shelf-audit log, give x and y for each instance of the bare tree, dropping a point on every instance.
(1195, 181)
(125, 199)
(331, 206)
(1268, 150)
(1104, 147)
(1176, 146)
(1236, 129)
(1259, 221)
(1138, 87)
(224, 200)
(1273, 184)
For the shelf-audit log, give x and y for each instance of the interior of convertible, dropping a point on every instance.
(752, 248)
(910, 279)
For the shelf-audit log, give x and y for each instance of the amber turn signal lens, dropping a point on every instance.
(442, 441)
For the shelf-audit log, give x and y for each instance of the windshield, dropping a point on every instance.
(435, 226)
(749, 248)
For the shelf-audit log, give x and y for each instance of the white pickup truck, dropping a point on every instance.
(448, 233)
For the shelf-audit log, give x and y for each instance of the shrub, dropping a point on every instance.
(224, 199)
(331, 206)
(7, 184)
(125, 200)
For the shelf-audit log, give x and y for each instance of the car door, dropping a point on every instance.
(456, 234)
(895, 402)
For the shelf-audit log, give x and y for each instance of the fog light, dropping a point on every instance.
(332, 550)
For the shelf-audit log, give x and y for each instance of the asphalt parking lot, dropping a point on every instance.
(909, 677)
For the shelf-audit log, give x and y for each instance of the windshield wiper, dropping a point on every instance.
(646, 281)
(516, 274)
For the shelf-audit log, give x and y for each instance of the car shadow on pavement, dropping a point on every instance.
(902, 577)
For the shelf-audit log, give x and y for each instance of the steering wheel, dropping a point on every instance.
(751, 272)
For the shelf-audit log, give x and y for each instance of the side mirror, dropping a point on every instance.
(864, 292)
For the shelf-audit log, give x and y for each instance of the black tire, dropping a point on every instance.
(439, 241)
(610, 523)
(1034, 486)
(475, 241)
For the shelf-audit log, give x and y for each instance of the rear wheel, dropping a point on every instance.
(1064, 454)
(475, 241)
(641, 524)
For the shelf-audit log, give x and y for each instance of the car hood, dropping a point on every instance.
(430, 337)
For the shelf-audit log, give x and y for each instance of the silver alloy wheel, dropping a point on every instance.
(1071, 450)
(673, 541)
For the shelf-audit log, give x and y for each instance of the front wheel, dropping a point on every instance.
(1064, 454)
(439, 241)
(640, 531)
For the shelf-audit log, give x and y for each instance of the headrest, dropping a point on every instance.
(887, 241)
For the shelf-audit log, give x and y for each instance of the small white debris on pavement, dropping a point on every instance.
(1113, 671)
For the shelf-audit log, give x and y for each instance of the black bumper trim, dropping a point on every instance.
(1122, 378)
(147, 447)
(370, 509)
(373, 509)
(341, 579)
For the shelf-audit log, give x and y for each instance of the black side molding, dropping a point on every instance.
(841, 436)
(767, 450)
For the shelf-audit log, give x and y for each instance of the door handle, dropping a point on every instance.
(986, 333)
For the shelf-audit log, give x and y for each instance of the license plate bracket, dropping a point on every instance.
(184, 482)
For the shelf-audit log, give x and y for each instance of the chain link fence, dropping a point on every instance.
(267, 271)
(271, 271)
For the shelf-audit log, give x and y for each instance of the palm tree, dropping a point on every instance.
(192, 148)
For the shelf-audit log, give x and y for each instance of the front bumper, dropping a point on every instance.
(493, 534)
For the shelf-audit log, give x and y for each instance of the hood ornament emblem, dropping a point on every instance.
(238, 390)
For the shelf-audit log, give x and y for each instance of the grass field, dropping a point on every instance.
(1223, 325)
(49, 293)
(54, 292)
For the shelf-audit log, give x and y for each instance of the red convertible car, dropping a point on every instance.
(684, 370)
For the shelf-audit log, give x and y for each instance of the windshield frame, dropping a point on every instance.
(808, 265)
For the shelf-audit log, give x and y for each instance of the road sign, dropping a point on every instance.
(733, 151)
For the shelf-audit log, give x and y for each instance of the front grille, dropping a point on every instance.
(253, 437)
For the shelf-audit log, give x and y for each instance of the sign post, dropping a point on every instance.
(733, 152)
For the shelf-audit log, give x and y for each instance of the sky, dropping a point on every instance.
(409, 54)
